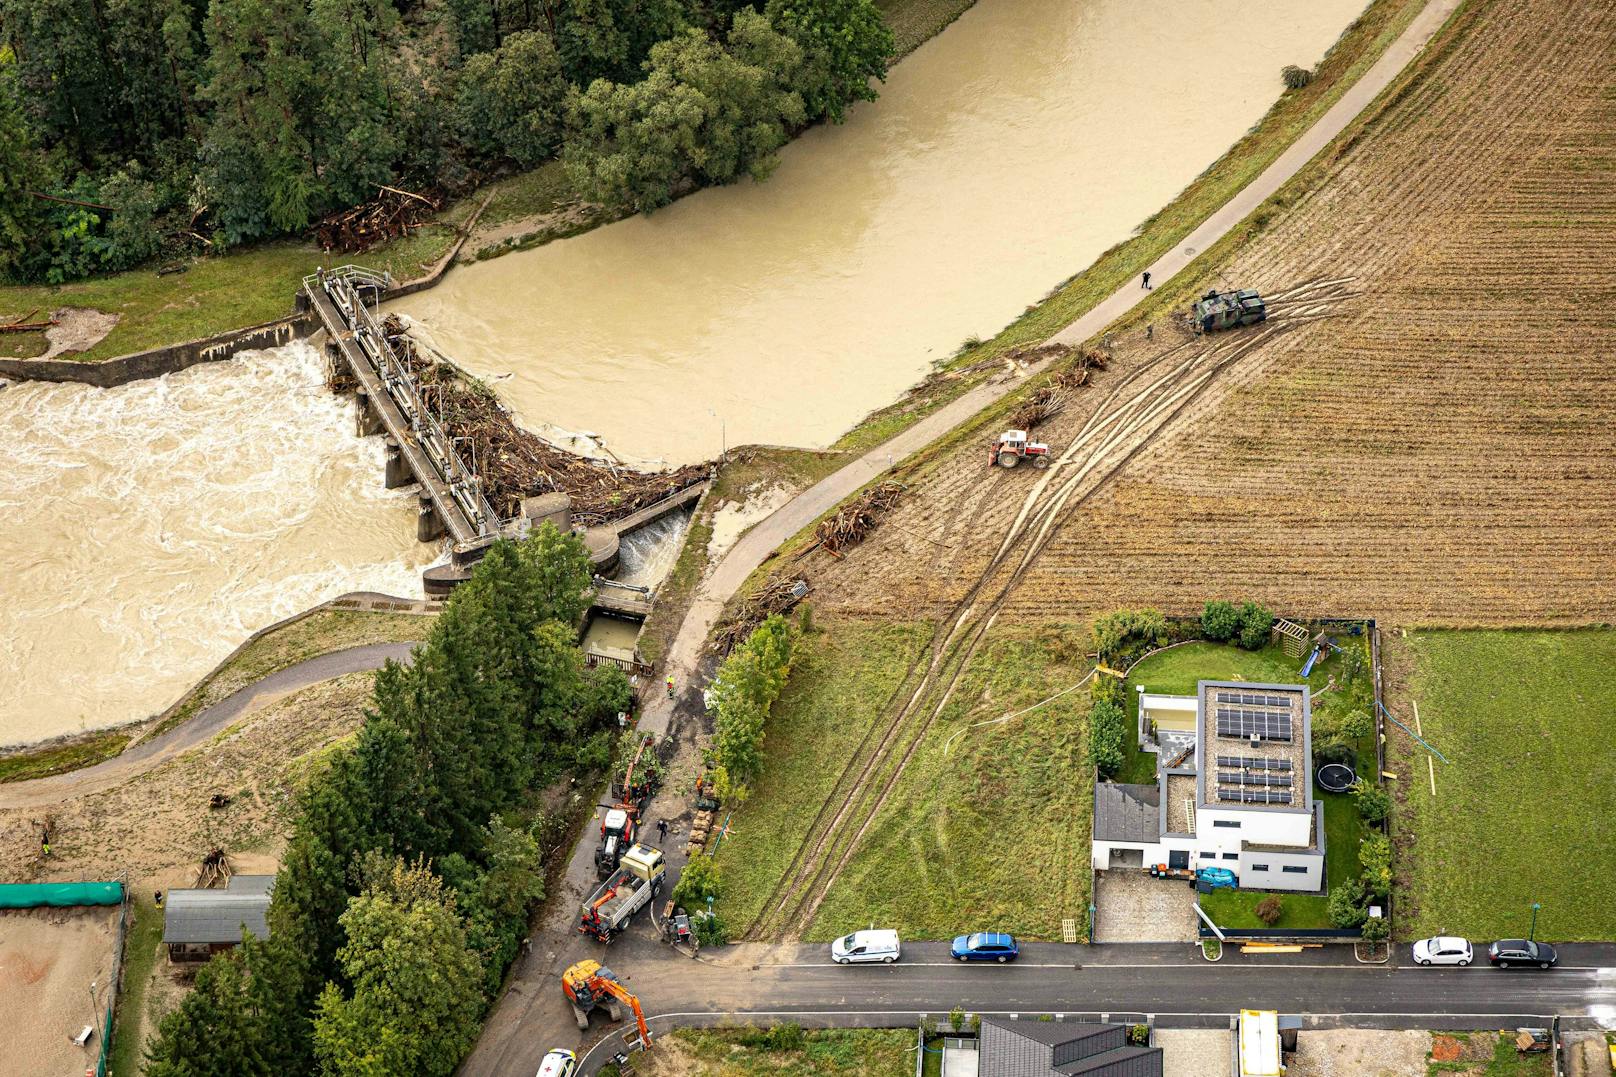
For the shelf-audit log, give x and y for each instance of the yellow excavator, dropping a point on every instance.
(589, 984)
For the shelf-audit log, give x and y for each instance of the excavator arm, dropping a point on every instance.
(618, 991)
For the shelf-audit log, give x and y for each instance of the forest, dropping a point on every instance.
(141, 131)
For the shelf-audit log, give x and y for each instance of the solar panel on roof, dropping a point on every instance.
(1241, 724)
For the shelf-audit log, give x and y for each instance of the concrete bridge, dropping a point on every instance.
(418, 447)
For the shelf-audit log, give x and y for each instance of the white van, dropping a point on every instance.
(558, 1063)
(866, 946)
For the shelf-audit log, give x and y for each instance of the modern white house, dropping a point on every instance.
(1234, 790)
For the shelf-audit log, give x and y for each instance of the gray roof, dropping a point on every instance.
(1022, 1048)
(218, 916)
(1127, 812)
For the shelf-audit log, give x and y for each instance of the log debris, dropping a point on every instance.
(392, 213)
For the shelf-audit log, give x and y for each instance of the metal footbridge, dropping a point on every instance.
(452, 498)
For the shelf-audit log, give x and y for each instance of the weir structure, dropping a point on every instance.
(419, 449)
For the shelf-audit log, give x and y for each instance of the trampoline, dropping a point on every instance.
(1335, 777)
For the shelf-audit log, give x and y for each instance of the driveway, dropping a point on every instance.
(1130, 906)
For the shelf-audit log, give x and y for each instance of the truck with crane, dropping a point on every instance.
(622, 819)
(630, 888)
(589, 986)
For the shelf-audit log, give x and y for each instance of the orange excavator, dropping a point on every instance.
(589, 984)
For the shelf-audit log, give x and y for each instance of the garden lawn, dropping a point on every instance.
(993, 833)
(787, 1051)
(1177, 671)
(1525, 807)
(1505, 1060)
(841, 679)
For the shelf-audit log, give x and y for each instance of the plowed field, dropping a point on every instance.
(1439, 448)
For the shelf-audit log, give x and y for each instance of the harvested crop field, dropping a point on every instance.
(1430, 443)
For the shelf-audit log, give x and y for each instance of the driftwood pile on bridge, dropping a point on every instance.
(392, 213)
(514, 463)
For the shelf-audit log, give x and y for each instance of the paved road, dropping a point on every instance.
(762, 540)
(1169, 983)
(530, 1018)
(201, 727)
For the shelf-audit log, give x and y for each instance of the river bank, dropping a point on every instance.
(214, 296)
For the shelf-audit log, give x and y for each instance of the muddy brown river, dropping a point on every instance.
(148, 530)
(1003, 156)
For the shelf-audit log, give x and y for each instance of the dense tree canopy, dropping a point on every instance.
(133, 129)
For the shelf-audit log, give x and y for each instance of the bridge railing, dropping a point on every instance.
(342, 287)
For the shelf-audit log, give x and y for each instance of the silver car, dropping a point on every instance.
(1442, 950)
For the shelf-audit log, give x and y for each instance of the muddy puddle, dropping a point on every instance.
(1003, 156)
(149, 529)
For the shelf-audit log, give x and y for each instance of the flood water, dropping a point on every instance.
(1002, 157)
(611, 637)
(150, 529)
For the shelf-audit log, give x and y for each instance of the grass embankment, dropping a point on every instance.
(1176, 672)
(982, 835)
(216, 294)
(841, 679)
(914, 22)
(140, 955)
(988, 826)
(1524, 806)
(1296, 110)
(317, 634)
(786, 1051)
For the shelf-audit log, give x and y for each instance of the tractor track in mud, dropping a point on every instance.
(1112, 436)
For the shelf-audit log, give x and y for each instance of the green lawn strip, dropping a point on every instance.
(1359, 46)
(914, 22)
(56, 759)
(140, 955)
(863, 1052)
(1524, 806)
(995, 833)
(840, 680)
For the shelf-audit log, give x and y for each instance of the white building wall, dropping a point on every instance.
(1263, 869)
(1252, 827)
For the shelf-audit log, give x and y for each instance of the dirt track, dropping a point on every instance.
(1438, 453)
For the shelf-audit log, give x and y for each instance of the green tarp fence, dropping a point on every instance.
(34, 895)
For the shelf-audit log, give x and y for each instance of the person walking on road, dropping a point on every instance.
(1145, 280)
(670, 686)
(662, 831)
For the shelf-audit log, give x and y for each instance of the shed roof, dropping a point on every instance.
(218, 916)
(1130, 813)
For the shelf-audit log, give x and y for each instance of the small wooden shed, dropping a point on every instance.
(200, 923)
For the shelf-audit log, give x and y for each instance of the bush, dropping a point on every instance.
(1107, 725)
(1296, 77)
(1374, 804)
(1375, 853)
(700, 880)
(1219, 621)
(1256, 622)
(1376, 929)
(1124, 632)
(1353, 663)
(1139, 1034)
(1347, 904)
(956, 1019)
(1357, 725)
(786, 1037)
(1270, 909)
(710, 930)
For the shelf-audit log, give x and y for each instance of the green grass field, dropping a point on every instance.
(1525, 809)
(787, 1051)
(989, 828)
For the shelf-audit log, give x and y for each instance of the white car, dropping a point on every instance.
(558, 1063)
(1442, 950)
(871, 945)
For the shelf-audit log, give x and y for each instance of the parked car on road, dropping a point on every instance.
(1507, 953)
(873, 945)
(558, 1063)
(985, 946)
(1443, 950)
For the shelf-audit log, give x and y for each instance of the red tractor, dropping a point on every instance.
(1012, 447)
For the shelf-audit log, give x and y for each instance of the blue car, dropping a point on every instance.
(985, 946)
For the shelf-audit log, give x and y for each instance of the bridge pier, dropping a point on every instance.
(428, 524)
(398, 468)
(370, 419)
